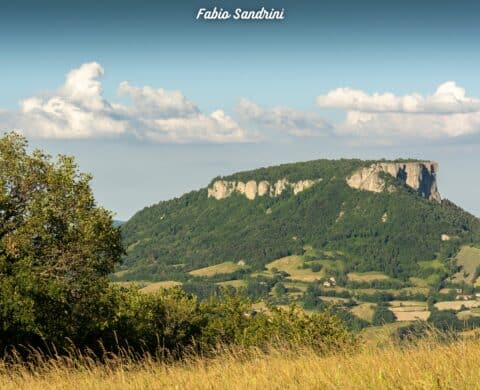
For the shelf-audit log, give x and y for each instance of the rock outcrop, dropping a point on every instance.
(421, 176)
(222, 189)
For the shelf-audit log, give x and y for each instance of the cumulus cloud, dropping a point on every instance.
(79, 110)
(216, 127)
(294, 122)
(447, 99)
(448, 112)
(150, 102)
(76, 110)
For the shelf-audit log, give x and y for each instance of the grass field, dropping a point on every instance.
(152, 287)
(411, 315)
(436, 265)
(298, 285)
(233, 283)
(427, 366)
(364, 310)
(366, 276)
(456, 305)
(224, 268)
(469, 259)
(293, 266)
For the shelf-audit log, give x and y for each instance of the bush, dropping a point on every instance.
(171, 322)
(382, 315)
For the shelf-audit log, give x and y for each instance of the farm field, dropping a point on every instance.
(233, 283)
(366, 276)
(456, 305)
(411, 315)
(227, 267)
(293, 266)
(152, 287)
(364, 310)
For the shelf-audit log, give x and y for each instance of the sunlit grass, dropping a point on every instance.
(430, 365)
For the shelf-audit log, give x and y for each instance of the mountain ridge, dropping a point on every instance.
(389, 230)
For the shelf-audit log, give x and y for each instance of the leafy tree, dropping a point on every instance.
(56, 249)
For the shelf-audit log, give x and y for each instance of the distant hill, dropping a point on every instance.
(117, 223)
(384, 216)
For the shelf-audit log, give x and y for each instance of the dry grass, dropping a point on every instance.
(153, 287)
(364, 310)
(410, 310)
(233, 283)
(456, 305)
(292, 265)
(408, 306)
(366, 276)
(412, 315)
(408, 303)
(428, 366)
(224, 268)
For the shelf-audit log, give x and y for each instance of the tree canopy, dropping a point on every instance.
(56, 246)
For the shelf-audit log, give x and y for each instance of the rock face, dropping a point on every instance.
(222, 189)
(421, 176)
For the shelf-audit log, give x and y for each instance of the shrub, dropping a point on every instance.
(382, 315)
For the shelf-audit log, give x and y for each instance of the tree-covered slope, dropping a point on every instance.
(390, 231)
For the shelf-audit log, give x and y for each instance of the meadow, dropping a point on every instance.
(429, 365)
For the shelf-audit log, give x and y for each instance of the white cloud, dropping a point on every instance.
(79, 110)
(294, 122)
(76, 110)
(216, 127)
(446, 113)
(150, 102)
(447, 99)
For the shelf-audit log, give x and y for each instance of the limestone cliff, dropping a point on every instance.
(222, 189)
(421, 176)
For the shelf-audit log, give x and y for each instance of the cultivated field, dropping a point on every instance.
(224, 268)
(366, 276)
(293, 266)
(411, 315)
(456, 305)
(233, 283)
(364, 310)
(152, 287)
(426, 366)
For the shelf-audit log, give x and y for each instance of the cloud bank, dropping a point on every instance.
(79, 110)
(446, 113)
(287, 120)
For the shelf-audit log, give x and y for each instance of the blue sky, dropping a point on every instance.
(155, 103)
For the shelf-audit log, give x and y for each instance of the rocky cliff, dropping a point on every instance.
(222, 189)
(421, 176)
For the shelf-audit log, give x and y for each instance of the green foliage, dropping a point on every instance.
(195, 231)
(382, 315)
(173, 322)
(231, 321)
(56, 249)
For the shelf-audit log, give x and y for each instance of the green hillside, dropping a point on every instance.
(389, 232)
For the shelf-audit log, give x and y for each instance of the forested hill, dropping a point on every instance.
(376, 222)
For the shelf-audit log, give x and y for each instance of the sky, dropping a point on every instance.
(155, 103)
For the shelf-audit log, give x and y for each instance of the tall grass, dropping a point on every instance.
(426, 365)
